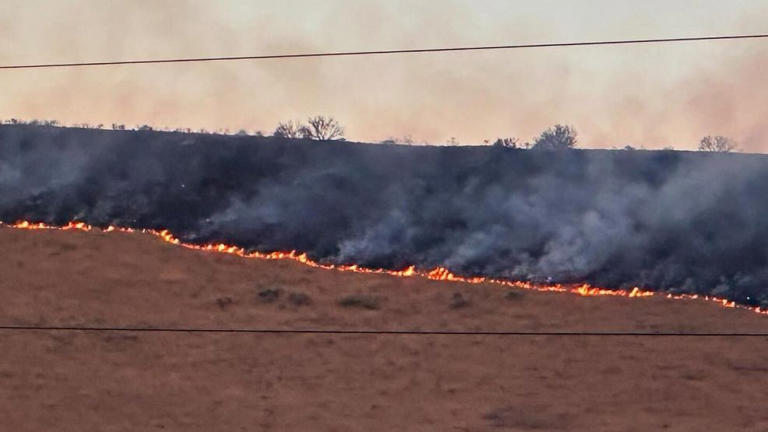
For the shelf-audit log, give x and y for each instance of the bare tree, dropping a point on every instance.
(717, 143)
(322, 128)
(558, 137)
(289, 130)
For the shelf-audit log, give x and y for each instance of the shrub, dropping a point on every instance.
(289, 130)
(558, 137)
(717, 143)
(506, 143)
(269, 295)
(299, 299)
(360, 301)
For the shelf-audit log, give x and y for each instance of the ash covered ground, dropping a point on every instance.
(674, 221)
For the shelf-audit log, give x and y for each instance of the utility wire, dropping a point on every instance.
(396, 51)
(374, 332)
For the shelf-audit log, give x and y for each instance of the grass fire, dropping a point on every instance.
(385, 215)
(586, 221)
(437, 273)
(76, 275)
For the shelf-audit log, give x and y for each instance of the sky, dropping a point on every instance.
(649, 96)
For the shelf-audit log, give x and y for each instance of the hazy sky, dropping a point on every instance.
(652, 95)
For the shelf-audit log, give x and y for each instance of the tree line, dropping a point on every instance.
(326, 128)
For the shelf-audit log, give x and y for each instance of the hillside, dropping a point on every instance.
(73, 381)
(660, 220)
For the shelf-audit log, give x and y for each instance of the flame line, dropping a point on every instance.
(438, 273)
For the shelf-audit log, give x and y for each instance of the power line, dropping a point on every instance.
(373, 332)
(374, 52)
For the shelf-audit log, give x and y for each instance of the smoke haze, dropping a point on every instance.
(652, 96)
(673, 221)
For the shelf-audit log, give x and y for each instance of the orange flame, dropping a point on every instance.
(438, 273)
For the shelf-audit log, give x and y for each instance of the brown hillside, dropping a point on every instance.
(74, 381)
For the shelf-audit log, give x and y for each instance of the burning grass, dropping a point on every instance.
(438, 273)
(438, 382)
(660, 220)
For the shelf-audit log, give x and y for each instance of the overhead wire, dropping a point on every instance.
(381, 52)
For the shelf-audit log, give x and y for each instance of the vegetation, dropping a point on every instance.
(269, 295)
(511, 143)
(299, 299)
(323, 129)
(326, 128)
(49, 123)
(558, 137)
(288, 130)
(360, 301)
(717, 143)
(405, 140)
(318, 128)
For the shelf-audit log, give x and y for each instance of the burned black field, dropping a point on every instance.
(679, 222)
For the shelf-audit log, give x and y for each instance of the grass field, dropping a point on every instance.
(127, 381)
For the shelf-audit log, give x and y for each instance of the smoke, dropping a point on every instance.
(652, 95)
(664, 220)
